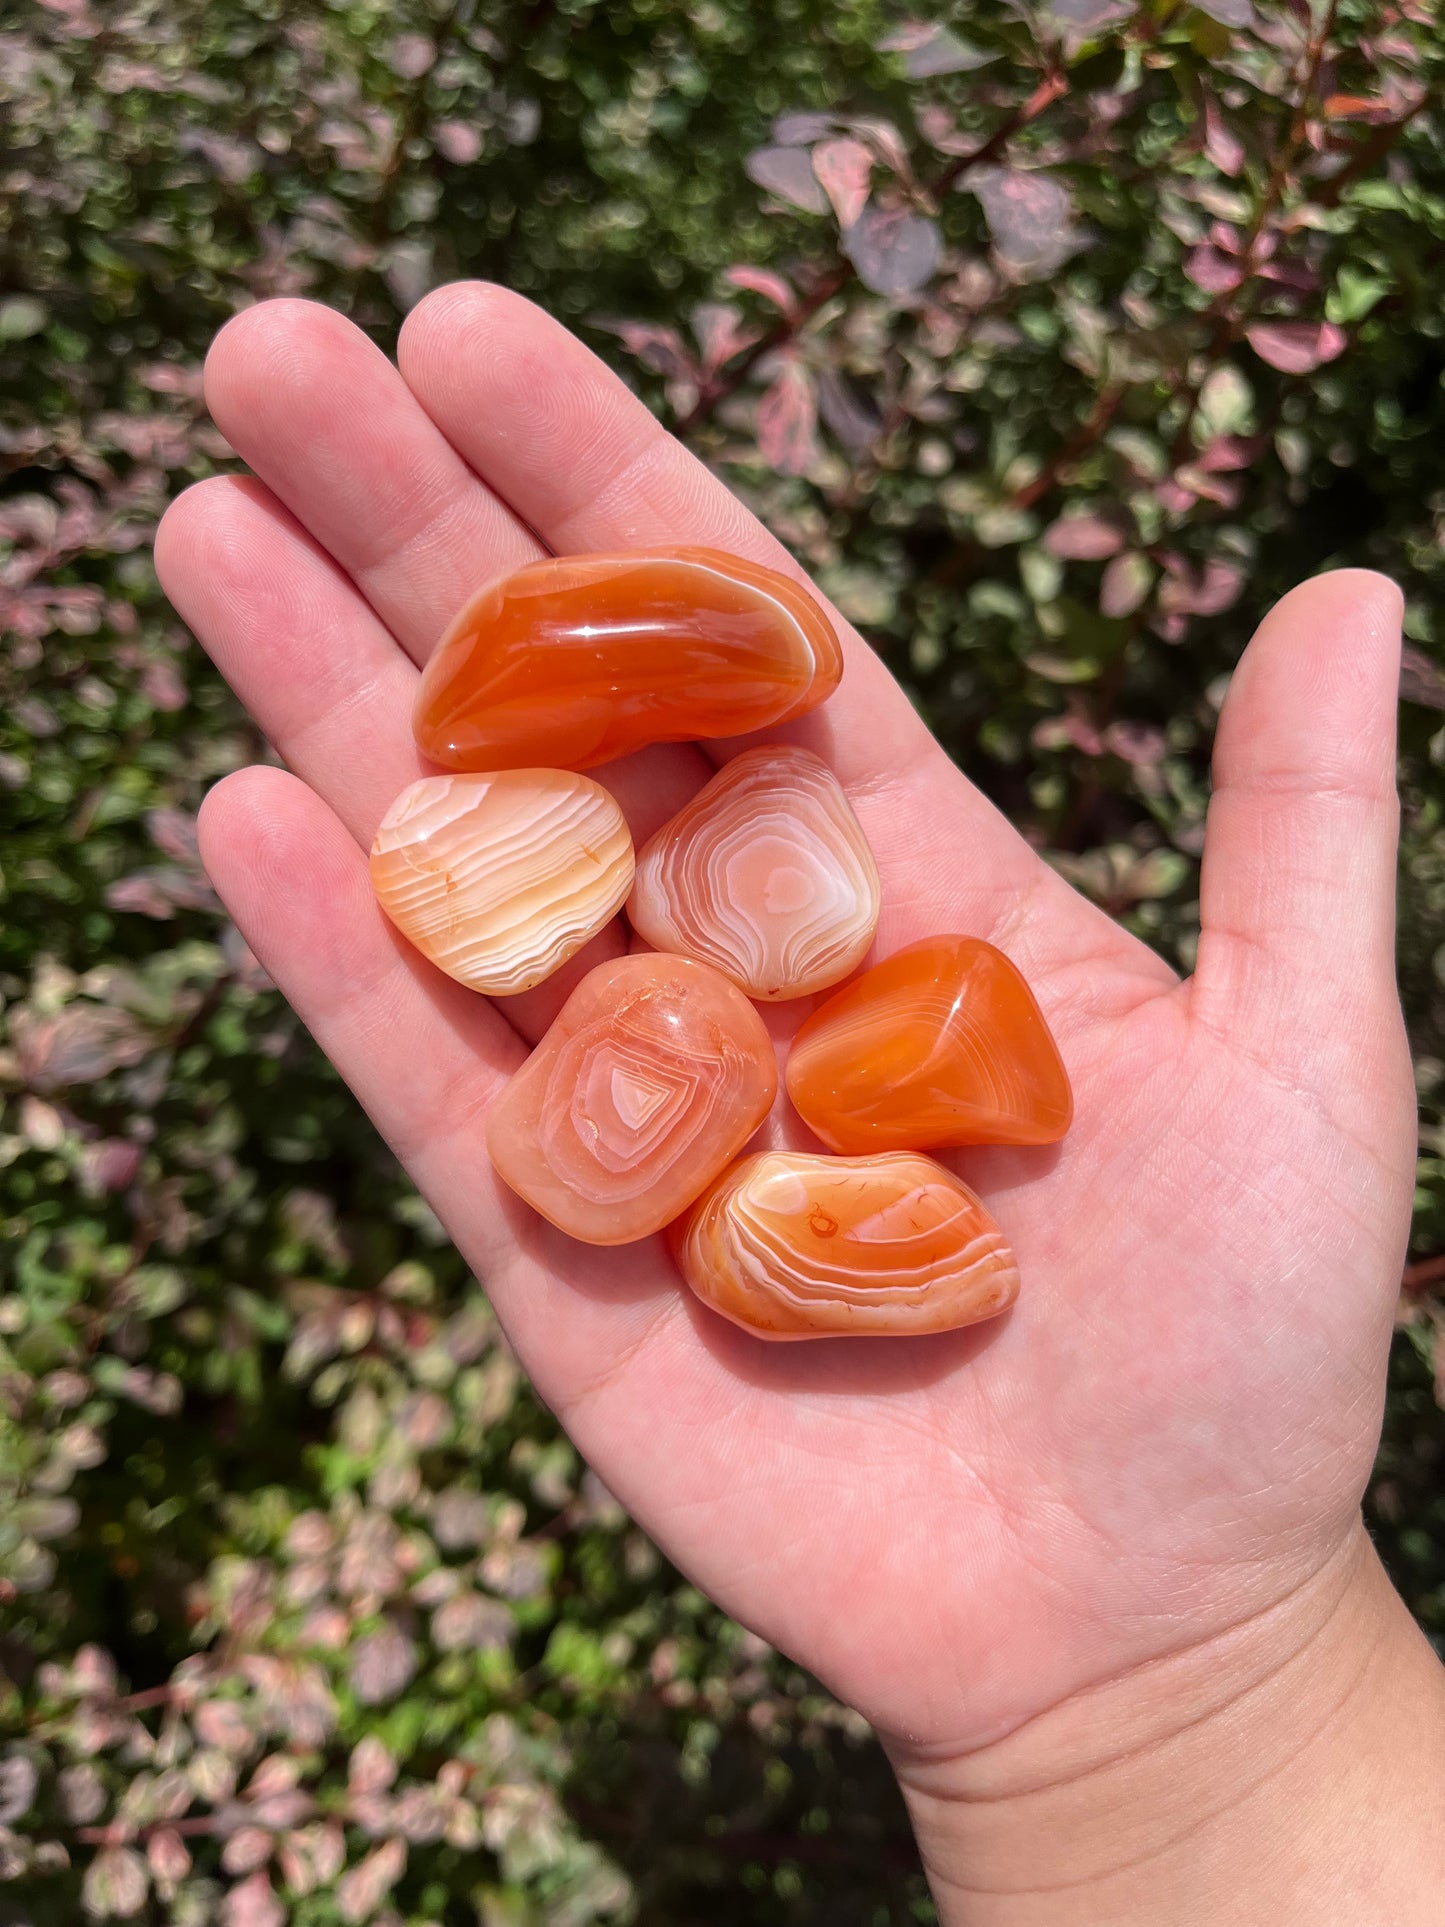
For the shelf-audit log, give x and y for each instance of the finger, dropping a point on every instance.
(422, 1054)
(306, 655)
(330, 689)
(1297, 900)
(329, 425)
(425, 1058)
(580, 459)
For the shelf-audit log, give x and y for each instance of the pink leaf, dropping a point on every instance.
(1136, 743)
(360, 1892)
(252, 1904)
(895, 253)
(1126, 583)
(660, 349)
(247, 1849)
(788, 421)
(1083, 538)
(772, 287)
(844, 169)
(1213, 272)
(1296, 347)
(788, 173)
(457, 141)
(1223, 148)
(372, 1767)
(115, 1884)
(720, 333)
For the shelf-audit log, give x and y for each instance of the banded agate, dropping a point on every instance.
(499, 879)
(765, 875)
(573, 661)
(790, 1245)
(655, 1074)
(941, 1044)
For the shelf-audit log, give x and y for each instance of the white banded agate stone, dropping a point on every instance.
(765, 875)
(654, 1075)
(793, 1245)
(500, 878)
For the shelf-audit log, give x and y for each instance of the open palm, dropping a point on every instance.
(1172, 1428)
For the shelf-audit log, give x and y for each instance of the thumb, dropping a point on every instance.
(1297, 898)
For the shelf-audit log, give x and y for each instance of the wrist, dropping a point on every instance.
(1291, 1769)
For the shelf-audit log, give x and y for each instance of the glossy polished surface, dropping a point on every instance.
(655, 1074)
(573, 661)
(941, 1044)
(765, 874)
(499, 879)
(790, 1245)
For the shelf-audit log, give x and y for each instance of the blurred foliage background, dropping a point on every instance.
(1057, 341)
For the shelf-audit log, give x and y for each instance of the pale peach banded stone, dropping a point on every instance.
(766, 875)
(790, 1244)
(500, 878)
(654, 1075)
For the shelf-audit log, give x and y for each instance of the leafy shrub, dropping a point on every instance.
(1057, 344)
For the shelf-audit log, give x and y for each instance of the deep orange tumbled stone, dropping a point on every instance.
(577, 660)
(792, 1245)
(941, 1044)
(654, 1075)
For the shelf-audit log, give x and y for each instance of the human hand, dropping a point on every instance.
(1166, 1441)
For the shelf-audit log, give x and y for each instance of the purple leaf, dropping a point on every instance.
(1213, 272)
(1030, 218)
(788, 173)
(801, 130)
(1082, 537)
(84, 1043)
(772, 287)
(1229, 13)
(1296, 347)
(844, 169)
(1420, 679)
(850, 415)
(895, 253)
(788, 420)
(929, 49)
(382, 1664)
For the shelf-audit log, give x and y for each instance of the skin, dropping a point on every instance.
(1095, 1570)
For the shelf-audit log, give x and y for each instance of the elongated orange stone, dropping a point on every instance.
(791, 1245)
(654, 1075)
(765, 874)
(941, 1044)
(574, 661)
